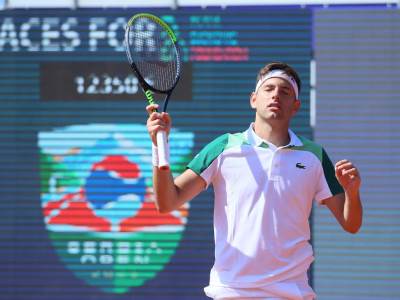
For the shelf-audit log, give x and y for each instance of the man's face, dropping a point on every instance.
(275, 100)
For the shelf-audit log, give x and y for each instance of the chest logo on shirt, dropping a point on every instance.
(300, 166)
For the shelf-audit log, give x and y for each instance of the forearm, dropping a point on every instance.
(352, 212)
(170, 193)
(165, 191)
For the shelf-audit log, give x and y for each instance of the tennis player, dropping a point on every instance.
(264, 181)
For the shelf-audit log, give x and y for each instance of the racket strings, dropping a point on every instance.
(154, 53)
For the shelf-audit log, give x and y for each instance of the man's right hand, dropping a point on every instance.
(157, 121)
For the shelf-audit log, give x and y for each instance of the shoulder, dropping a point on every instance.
(224, 142)
(215, 148)
(218, 143)
(311, 147)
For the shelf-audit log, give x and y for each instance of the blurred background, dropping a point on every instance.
(77, 215)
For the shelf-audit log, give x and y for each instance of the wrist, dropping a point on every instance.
(352, 193)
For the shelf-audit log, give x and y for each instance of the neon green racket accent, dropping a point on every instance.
(157, 20)
(150, 97)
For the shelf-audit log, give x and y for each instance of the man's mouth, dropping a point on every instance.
(274, 106)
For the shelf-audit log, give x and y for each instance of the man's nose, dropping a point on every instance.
(275, 94)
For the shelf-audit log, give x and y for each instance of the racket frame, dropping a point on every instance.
(148, 90)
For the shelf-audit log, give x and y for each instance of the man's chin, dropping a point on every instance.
(274, 119)
(274, 116)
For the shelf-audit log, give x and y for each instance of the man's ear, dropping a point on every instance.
(253, 100)
(296, 106)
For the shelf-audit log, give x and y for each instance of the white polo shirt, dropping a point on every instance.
(263, 199)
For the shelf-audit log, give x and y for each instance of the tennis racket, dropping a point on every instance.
(152, 50)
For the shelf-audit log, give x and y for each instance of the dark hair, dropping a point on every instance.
(280, 66)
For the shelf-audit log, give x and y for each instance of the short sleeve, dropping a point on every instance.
(206, 162)
(328, 185)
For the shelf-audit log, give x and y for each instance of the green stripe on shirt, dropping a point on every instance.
(211, 151)
(329, 172)
(208, 154)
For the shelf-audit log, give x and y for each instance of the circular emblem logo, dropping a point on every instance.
(98, 206)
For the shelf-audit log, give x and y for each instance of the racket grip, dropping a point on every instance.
(163, 150)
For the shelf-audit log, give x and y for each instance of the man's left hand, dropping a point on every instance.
(348, 176)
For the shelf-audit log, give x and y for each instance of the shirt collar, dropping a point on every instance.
(255, 140)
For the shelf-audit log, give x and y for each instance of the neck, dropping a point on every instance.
(273, 133)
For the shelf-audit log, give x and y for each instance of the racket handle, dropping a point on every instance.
(163, 150)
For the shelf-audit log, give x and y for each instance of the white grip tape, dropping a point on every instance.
(163, 150)
(154, 155)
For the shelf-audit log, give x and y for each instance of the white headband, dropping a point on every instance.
(279, 74)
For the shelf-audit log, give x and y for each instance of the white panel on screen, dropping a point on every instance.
(281, 2)
(125, 3)
(174, 3)
(40, 3)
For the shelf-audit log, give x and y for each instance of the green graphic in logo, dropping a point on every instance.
(98, 205)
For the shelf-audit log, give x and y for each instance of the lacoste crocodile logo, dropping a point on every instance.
(300, 166)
